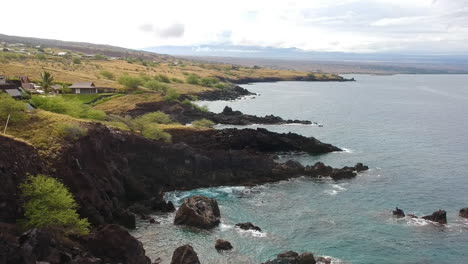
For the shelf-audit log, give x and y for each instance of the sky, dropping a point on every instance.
(360, 26)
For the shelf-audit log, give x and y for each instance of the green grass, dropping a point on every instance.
(82, 98)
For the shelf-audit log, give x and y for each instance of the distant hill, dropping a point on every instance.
(83, 47)
(336, 62)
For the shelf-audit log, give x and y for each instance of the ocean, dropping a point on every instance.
(411, 130)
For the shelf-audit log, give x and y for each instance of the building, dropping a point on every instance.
(56, 88)
(84, 88)
(15, 93)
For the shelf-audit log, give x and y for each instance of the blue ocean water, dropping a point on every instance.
(411, 130)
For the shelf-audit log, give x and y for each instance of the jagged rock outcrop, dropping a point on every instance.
(398, 213)
(187, 113)
(198, 211)
(228, 93)
(114, 244)
(259, 139)
(439, 216)
(185, 255)
(248, 226)
(223, 245)
(291, 257)
(464, 212)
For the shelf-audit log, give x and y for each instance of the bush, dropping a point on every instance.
(9, 106)
(108, 75)
(41, 57)
(156, 86)
(208, 81)
(154, 132)
(49, 204)
(76, 61)
(70, 131)
(129, 82)
(193, 79)
(71, 107)
(162, 78)
(171, 95)
(220, 85)
(177, 80)
(155, 117)
(203, 123)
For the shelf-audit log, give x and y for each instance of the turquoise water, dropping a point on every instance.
(412, 132)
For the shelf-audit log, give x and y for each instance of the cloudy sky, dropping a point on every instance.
(409, 26)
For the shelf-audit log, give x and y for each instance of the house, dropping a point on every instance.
(62, 53)
(3, 80)
(84, 88)
(106, 90)
(15, 93)
(56, 88)
(26, 83)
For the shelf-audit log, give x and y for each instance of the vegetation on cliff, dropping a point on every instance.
(49, 204)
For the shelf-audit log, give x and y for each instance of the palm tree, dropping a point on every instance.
(46, 81)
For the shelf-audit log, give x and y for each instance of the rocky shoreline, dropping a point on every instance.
(116, 176)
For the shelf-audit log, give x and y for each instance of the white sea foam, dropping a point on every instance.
(417, 222)
(331, 192)
(253, 233)
(225, 227)
(347, 150)
(338, 187)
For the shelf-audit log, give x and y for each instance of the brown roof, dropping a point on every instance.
(83, 85)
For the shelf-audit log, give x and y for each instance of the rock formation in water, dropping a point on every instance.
(438, 216)
(464, 212)
(228, 93)
(198, 211)
(398, 213)
(248, 226)
(291, 257)
(185, 255)
(223, 245)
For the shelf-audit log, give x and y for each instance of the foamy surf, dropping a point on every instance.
(253, 233)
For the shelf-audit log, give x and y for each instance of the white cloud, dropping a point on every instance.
(323, 25)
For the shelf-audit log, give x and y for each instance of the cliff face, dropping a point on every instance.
(17, 160)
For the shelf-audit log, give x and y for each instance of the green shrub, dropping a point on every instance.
(69, 131)
(162, 78)
(203, 123)
(72, 107)
(204, 108)
(100, 57)
(208, 81)
(171, 95)
(49, 204)
(155, 117)
(108, 75)
(177, 80)
(187, 102)
(41, 57)
(144, 77)
(220, 85)
(76, 60)
(129, 82)
(156, 86)
(9, 106)
(193, 79)
(154, 132)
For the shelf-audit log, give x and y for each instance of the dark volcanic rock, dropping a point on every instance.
(114, 244)
(127, 219)
(185, 255)
(258, 139)
(438, 216)
(248, 226)
(187, 113)
(17, 159)
(464, 212)
(398, 213)
(229, 93)
(291, 257)
(223, 245)
(198, 211)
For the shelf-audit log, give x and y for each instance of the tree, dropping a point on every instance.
(46, 81)
(49, 204)
(130, 83)
(9, 106)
